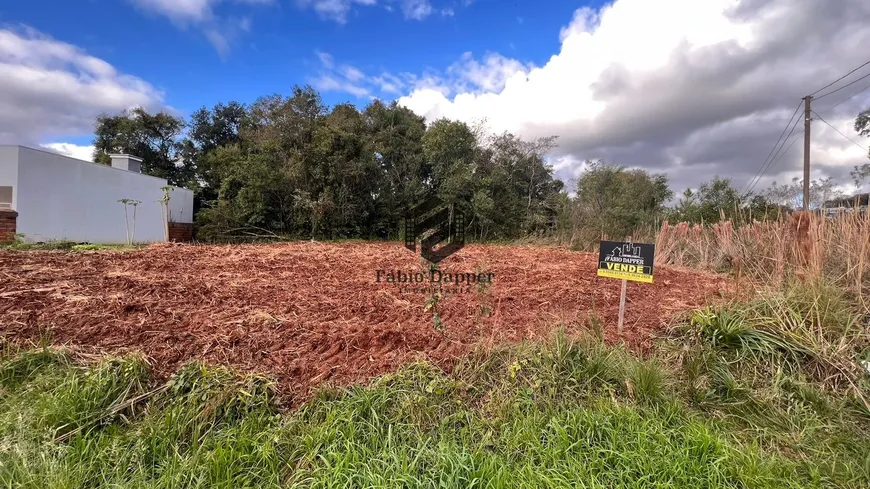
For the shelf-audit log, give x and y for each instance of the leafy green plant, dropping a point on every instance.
(525, 416)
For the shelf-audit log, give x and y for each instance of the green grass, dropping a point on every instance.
(748, 396)
(61, 245)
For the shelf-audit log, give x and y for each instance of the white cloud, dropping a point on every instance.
(337, 77)
(340, 78)
(85, 153)
(338, 10)
(417, 9)
(487, 76)
(683, 86)
(326, 59)
(352, 74)
(330, 83)
(220, 32)
(388, 83)
(51, 89)
(180, 10)
(189, 10)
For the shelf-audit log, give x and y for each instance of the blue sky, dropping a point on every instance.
(688, 88)
(277, 46)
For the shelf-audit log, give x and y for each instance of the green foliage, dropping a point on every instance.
(64, 246)
(718, 200)
(567, 413)
(859, 174)
(290, 167)
(615, 201)
(153, 137)
(20, 244)
(711, 201)
(862, 123)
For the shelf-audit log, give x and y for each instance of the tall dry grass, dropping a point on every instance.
(802, 246)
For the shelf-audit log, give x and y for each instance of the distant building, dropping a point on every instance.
(49, 197)
(857, 200)
(854, 203)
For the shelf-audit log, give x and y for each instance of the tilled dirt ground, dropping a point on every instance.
(304, 313)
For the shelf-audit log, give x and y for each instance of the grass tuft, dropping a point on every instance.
(749, 395)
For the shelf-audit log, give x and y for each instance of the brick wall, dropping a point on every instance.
(8, 219)
(180, 231)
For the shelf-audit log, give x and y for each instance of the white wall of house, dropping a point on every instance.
(9, 170)
(62, 198)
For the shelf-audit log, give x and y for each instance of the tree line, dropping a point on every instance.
(290, 166)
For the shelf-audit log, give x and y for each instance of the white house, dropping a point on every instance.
(49, 197)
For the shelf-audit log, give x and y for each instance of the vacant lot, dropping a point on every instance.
(305, 313)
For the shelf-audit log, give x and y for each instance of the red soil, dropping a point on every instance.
(307, 312)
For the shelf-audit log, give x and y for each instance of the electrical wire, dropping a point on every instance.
(761, 170)
(778, 156)
(838, 131)
(847, 99)
(783, 153)
(775, 154)
(766, 165)
(844, 86)
(838, 79)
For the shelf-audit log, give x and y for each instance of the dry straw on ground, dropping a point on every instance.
(309, 312)
(803, 246)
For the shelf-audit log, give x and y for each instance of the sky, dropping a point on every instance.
(688, 88)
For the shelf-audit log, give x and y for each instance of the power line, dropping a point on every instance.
(778, 156)
(784, 152)
(848, 99)
(838, 79)
(838, 131)
(774, 162)
(770, 155)
(766, 160)
(844, 86)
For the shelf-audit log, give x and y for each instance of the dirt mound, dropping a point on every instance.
(308, 312)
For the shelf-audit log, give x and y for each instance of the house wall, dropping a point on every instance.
(9, 170)
(62, 198)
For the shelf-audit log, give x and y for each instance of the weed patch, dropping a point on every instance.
(566, 413)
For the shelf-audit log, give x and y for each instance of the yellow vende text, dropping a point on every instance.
(625, 268)
(635, 276)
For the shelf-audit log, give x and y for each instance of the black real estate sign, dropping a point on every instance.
(626, 261)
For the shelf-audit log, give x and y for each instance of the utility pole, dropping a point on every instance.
(807, 118)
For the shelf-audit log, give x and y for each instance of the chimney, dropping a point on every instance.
(127, 162)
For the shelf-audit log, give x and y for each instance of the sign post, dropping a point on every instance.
(626, 261)
(622, 306)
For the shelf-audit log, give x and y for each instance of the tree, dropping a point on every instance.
(859, 174)
(616, 201)
(862, 123)
(345, 177)
(287, 165)
(517, 187)
(712, 201)
(394, 135)
(209, 129)
(718, 199)
(792, 195)
(449, 148)
(152, 137)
